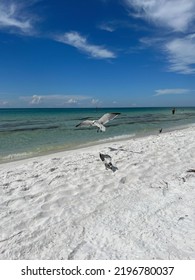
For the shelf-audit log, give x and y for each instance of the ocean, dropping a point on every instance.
(26, 133)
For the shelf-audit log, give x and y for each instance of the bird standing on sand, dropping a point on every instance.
(100, 122)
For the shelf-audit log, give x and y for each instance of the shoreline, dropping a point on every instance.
(106, 141)
(68, 206)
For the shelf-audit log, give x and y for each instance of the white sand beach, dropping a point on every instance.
(68, 206)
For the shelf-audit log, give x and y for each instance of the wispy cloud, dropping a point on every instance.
(55, 100)
(14, 16)
(72, 101)
(107, 27)
(80, 42)
(175, 14)
(95, 102)
(178, 16)
(181, 54)
(35, 99)
(171, 91)
(3, 103)
(113, 25)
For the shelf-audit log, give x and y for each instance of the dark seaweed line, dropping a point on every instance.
(29, 129)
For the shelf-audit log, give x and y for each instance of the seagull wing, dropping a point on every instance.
(85, 123)
(105, 158)
(102, 157)
(108, 117)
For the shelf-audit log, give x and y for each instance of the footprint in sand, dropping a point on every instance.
(123, 180)
(46, 206)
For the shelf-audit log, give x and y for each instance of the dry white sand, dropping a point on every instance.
(68, 206)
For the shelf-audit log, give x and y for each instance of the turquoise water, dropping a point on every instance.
(30, 132)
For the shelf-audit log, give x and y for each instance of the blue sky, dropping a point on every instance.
(105, 53)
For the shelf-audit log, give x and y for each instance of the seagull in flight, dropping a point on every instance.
(100, 122)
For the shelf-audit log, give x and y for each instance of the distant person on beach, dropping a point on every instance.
(173, 111)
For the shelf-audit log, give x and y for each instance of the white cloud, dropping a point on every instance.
(179, 17)
(95, 101)
(54, 100)
(14, 17)
(36, 99)
(175, 14)
(4, 103)
(107, 27)
(113, 25)
(72, 101)
(80, 42)
(171, 91)
(181, 54)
